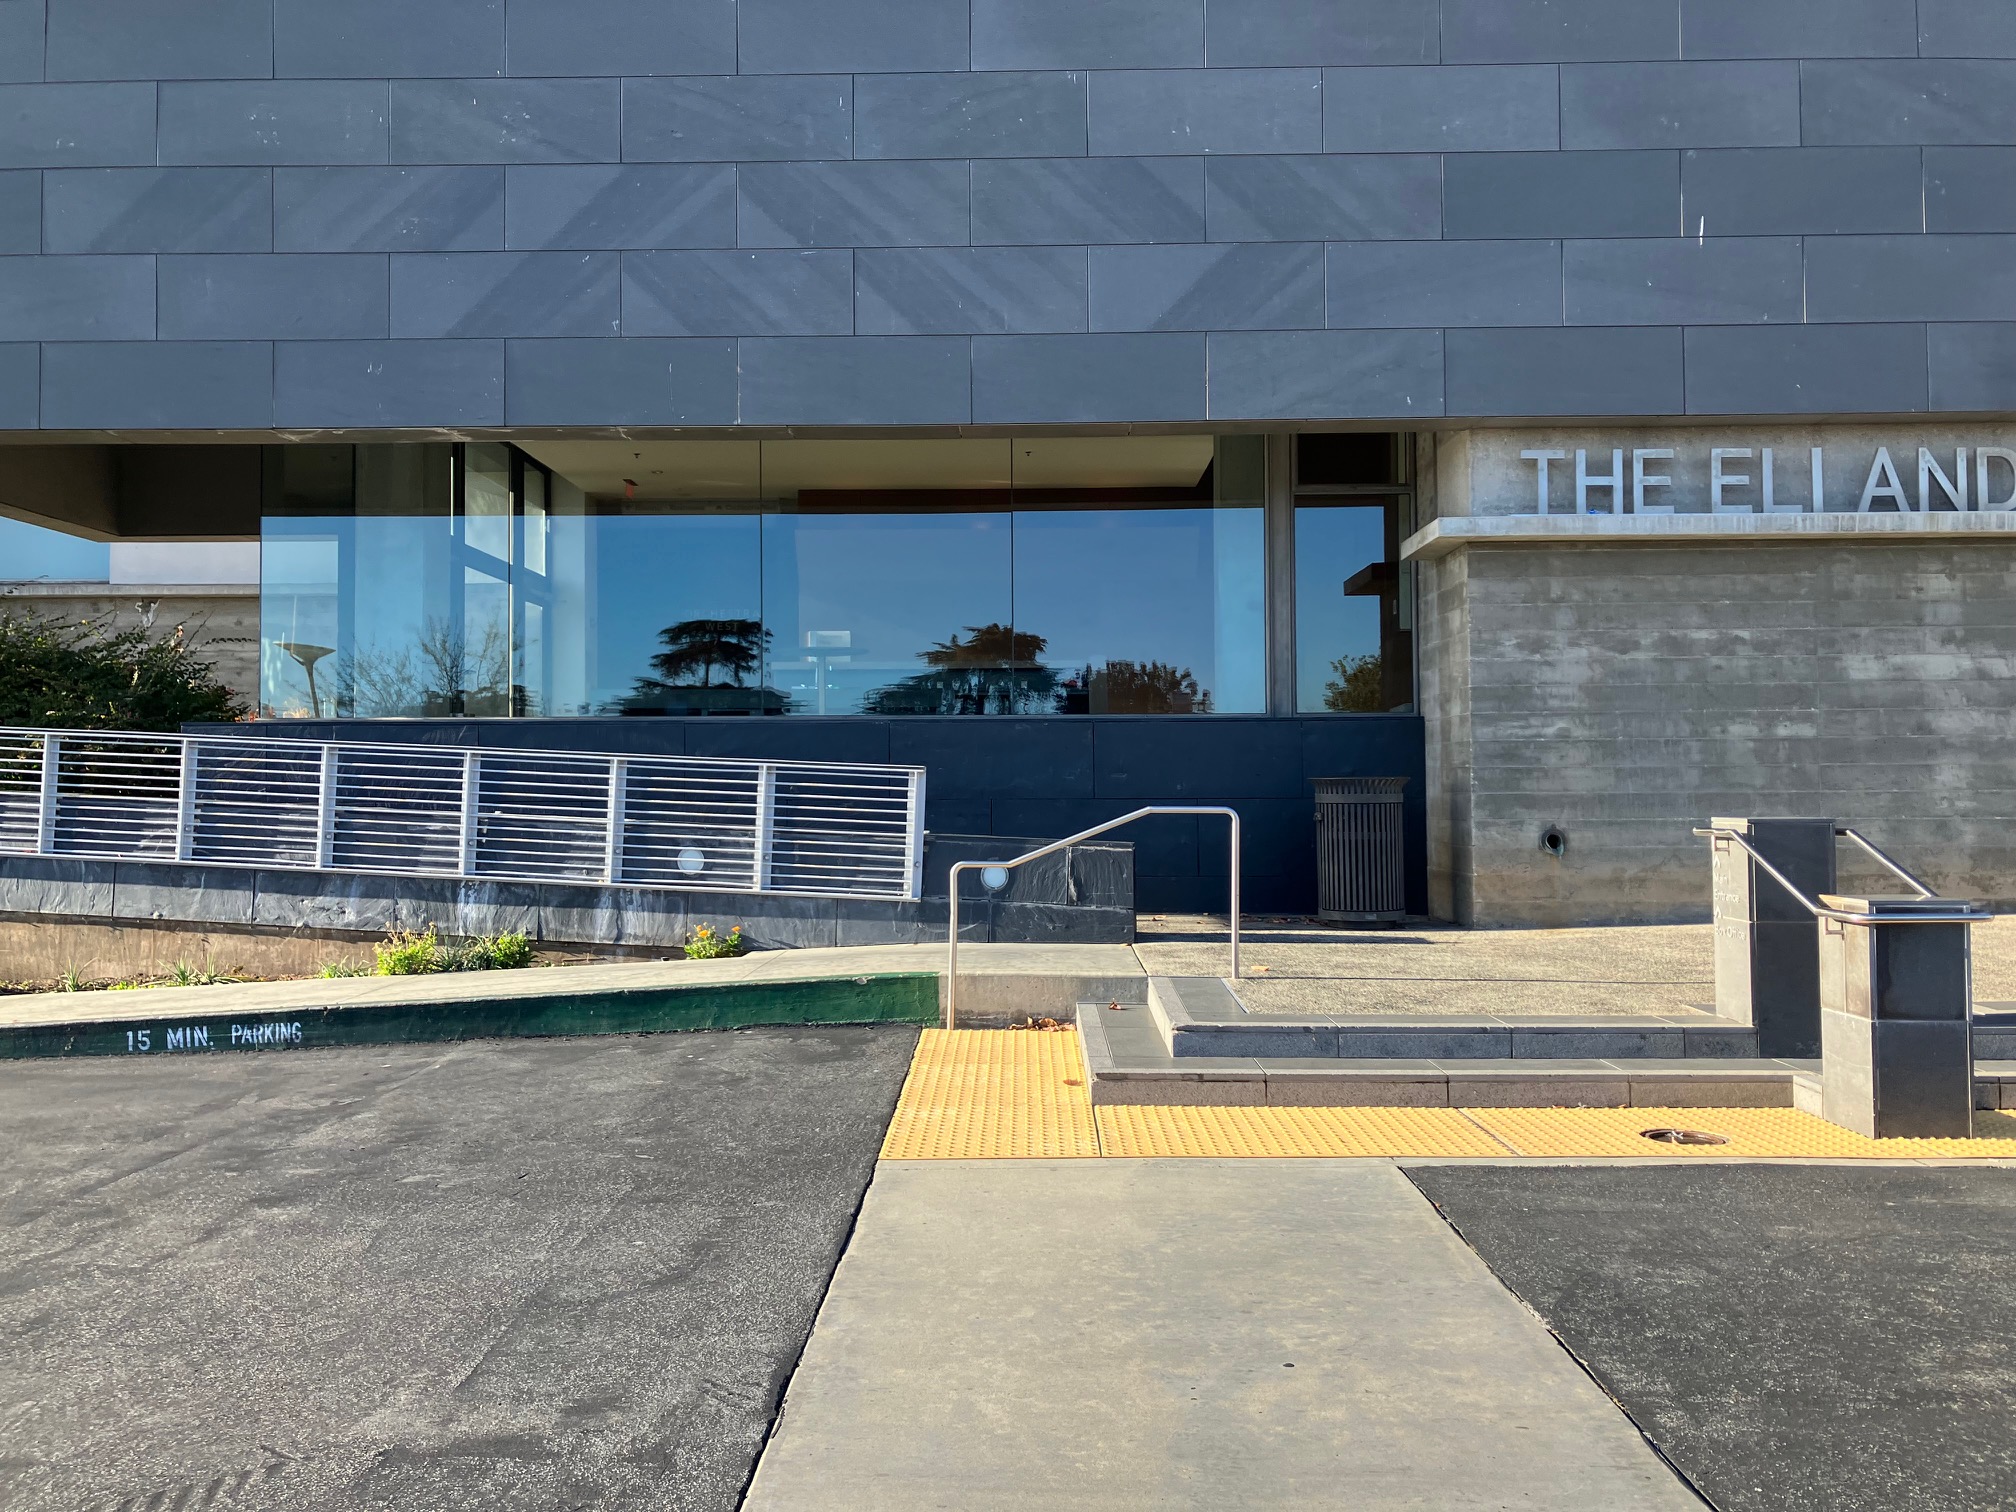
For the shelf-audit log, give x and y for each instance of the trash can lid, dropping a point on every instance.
(1335, 785)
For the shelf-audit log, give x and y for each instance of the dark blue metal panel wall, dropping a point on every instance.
(1043, 777)
(242, 214)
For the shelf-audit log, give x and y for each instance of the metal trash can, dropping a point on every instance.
(1361, 862)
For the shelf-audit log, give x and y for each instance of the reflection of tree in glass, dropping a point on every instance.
(1131, 687)
(1357, 688)
(439, 672)
(735, 646)
(704, 654)
(995, 670)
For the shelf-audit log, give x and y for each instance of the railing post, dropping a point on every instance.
(45, 822)
(766, 817)
(1233, 815)
(185, 802)
(952, 951)
(913, 874)
(471, 786)
(325, 810)
(612, 854)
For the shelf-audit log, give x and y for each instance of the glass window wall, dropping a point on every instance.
(1354, 646)
(1026, 576)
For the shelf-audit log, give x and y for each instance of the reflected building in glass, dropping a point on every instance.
(1031, 576)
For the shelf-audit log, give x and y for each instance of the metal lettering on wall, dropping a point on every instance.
(1755, 470)
(1754, 480)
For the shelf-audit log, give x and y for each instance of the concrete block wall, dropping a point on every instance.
(220, 622)
(1629, 693)
(432, 214)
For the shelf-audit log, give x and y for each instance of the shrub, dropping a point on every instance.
(407, 954)
(342, 969)
(503, 952)
(422, 954)
(705, 944)
(87, 677)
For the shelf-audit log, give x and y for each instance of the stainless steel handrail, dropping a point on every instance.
(952, 940)
(1961, 912)
(1910, 881)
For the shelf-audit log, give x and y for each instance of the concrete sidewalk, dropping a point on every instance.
(1041, 1336)
(1299, 967)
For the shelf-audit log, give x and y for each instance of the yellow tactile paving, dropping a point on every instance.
(993, 1094)
(1006, 1094)
(1275, 1132)
(1768, 1132)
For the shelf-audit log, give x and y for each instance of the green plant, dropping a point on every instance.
(341, 968)
(408, 954)
(71, 981)
(182, 974)
(420, 954)
(87, 676)
(706, 944)
(500, 952)
(1358, 686)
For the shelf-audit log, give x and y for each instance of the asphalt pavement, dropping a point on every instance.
(1791, 1336)
(522, 1274)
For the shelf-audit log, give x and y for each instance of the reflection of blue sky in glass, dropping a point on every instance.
(35, 551)
(376, 588)
(451, 612)
(1331, 543)
(894, 585)
(645, 573)
(1182, 587)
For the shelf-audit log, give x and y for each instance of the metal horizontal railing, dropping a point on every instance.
(699, 823)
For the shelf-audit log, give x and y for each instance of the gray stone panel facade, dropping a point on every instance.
(1453, 166)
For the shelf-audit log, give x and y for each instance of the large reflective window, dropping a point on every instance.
(904, 611)
(1353, 614)
(359, 609)
(959, 576)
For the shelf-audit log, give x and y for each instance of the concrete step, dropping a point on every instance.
(1203, 1018)
(1128, 1061)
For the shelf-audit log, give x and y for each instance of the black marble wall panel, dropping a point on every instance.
(1042, 777)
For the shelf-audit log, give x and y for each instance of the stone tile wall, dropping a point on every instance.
(432, 214)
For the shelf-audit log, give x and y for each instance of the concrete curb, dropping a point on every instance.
(905, 997)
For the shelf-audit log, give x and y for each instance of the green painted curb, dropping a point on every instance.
(904, 998)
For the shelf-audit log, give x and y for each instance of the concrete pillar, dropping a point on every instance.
(1898, 1057)
(1767, 944)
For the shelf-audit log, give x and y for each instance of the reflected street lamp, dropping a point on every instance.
(307, 656)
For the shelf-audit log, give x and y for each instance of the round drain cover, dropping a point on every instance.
(1684, 1136)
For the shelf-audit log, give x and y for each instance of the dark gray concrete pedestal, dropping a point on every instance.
(1895, 990)
(1767, 956)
